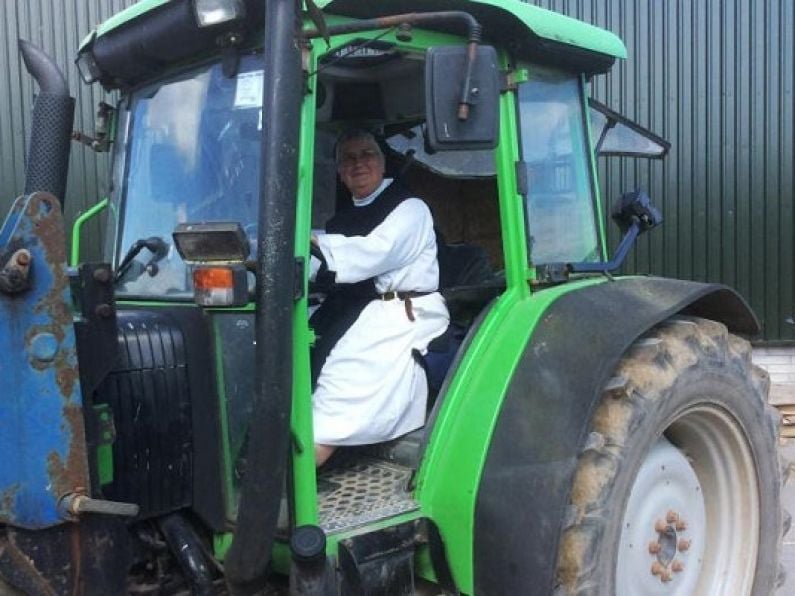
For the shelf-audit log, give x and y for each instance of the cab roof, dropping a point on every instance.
(528, 32)
(535, 21)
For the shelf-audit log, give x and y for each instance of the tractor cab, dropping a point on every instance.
(195, 343)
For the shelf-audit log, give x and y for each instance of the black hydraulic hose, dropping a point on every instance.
(51, 127)
(186, 548)
(269, 427)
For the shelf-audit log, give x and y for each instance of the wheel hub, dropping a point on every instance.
(663, 533)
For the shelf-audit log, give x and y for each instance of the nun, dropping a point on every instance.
(377, 260)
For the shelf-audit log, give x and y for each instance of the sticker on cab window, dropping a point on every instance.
(248, 93)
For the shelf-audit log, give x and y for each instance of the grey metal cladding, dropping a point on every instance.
(714, 77)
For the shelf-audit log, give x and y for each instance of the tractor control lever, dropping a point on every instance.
(156, 245)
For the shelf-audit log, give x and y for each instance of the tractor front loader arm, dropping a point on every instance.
(47, 545)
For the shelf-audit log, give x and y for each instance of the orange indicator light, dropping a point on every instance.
(211, 278)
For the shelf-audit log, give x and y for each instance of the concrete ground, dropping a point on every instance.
(788, 501)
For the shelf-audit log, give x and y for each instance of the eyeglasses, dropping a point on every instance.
(351, 159)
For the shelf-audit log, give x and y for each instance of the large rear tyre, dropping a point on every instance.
(677, 490)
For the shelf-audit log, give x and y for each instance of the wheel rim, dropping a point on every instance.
(671, 543)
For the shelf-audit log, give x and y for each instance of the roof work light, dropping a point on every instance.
(215, 12)
(88, 67)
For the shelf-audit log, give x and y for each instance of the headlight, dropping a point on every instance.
(88, 67)
(215, 12)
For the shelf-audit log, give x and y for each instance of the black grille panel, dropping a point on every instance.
(148, 392)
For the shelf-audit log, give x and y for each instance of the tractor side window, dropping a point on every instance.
(560, 209)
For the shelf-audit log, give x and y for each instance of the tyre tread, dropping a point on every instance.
(648, 369)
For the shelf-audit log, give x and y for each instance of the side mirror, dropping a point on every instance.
(635, 214)
(446, 70)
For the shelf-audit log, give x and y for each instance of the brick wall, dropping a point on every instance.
(780, 365)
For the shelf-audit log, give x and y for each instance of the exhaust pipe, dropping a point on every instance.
(53, 115)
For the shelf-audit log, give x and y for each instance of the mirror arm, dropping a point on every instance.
(475, 34)
(618, 258)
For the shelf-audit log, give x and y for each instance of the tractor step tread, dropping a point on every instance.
(361, 492)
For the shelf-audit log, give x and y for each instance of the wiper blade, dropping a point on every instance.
(154, 244)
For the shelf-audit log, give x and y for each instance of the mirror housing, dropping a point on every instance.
(445, 70)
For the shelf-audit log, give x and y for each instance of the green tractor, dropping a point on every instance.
(585, 433)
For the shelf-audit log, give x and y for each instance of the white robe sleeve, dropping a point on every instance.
(394, 243)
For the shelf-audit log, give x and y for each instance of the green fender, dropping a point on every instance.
(500, 458)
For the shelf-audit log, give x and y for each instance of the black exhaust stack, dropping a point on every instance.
(53, 115)
(247, 561)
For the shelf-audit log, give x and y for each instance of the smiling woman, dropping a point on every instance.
(360, 162)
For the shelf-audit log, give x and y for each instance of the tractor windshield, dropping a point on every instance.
(191, 153)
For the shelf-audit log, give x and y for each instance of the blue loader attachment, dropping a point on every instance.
(48, 545)
(41, 415)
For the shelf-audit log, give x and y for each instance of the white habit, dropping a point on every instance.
(370, 388)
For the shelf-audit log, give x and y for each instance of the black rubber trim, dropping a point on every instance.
(524, 491)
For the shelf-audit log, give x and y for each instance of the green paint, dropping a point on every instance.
(303, 455)
(156, 303)
(449, 475)
(74, 260)
(104, 453)
(227, 459)
(512, 204)
(221, 544)
(597, 194)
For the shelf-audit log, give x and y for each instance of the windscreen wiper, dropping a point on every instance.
(154, 244)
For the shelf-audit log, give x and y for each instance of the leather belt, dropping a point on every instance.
(406, 298)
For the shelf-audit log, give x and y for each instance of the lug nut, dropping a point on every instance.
(681, 525)
(660, 526)
(672, 517)
(683, 545)
(654, 548)
(657, 568)
(677, 566)
(666, 576)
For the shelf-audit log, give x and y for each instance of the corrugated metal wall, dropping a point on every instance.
(58, 27)
(715, 77)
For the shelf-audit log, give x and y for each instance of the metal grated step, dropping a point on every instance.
(362, 492)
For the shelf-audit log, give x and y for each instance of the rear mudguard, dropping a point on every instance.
(525, 483)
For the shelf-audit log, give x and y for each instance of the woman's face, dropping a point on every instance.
(361, 166)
